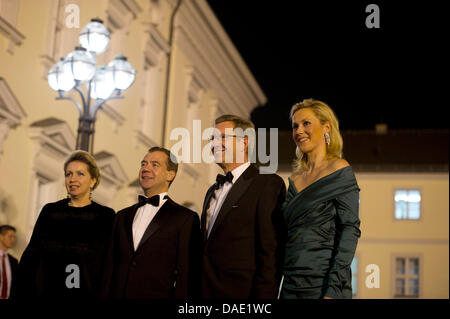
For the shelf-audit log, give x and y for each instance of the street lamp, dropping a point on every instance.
(101, 83)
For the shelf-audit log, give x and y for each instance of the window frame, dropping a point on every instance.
(394, 275)
(8, 26)
(421, 210)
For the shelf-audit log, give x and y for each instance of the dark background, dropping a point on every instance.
(323, 50)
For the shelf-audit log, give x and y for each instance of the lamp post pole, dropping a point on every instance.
(102, 83)
(87, 116)
(85, 137)
(86, 124)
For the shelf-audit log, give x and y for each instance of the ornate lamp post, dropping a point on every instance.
(101, 84)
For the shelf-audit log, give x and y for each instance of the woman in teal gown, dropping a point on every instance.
(321, 209)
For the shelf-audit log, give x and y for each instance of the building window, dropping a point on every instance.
(46, 192)
(53, 140)
(9, 11)
(60, 39)
(152, 102)
(155, 12)
(407, 204)
(56, 41)
(407, 271)
(354, 268)
(11, 112)
(154, 73)
(46, 189)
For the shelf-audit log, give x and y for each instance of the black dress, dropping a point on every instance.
(65, 256)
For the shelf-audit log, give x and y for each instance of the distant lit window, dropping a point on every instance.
(406, 277)
(407, 204)
(354, 268)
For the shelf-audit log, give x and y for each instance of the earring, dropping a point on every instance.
(327, 139)
(68, 195)
(90, 195)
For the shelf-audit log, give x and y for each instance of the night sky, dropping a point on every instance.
(323, 49)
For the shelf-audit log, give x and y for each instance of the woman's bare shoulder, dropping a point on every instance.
(337, 164)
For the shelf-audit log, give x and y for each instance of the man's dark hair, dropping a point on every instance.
(5, 228)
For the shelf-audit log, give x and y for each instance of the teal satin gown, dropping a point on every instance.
(323, 230)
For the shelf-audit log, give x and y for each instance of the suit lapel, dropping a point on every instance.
(208, 196)
(129, 225)
(161, 217)
(236, 192)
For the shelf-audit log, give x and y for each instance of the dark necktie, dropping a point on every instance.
(154, 200)
(222, 179)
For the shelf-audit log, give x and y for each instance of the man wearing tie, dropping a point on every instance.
(241, 221)
(8, 264)
(156, 243)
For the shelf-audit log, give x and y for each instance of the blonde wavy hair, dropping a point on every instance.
(325, 114)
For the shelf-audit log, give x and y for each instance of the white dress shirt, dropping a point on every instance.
(8, 271)
(220, 194)
(143, 218)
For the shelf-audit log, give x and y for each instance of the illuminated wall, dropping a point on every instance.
(206, 78)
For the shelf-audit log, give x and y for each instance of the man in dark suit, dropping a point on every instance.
(8, 264)
(241, 221)
(156, 243)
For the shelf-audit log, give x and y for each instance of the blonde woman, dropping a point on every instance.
(65, 255)
(321, 209)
